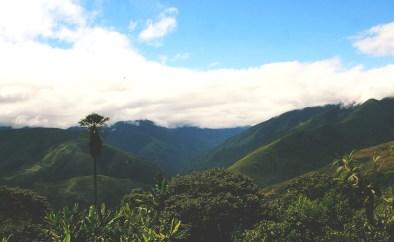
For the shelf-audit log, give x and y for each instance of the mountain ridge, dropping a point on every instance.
(310, 148)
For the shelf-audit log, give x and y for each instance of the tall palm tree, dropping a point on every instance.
(93, 122)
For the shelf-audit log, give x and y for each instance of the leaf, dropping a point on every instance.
(176, 227)
(339, 169)
(67, 238)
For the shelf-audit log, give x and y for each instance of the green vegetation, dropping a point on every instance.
(62, 174)
(338, 203)
(314, 144)
(34, 222)
(174, 150)
(123, 224)
(351, 200)
(213, 203)
(20, 148)
(307, 193)
(263, 134)
(21, 214)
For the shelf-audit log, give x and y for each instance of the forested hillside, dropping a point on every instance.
(174, 150)
(316, 174)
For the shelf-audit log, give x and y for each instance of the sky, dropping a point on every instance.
(203, 63)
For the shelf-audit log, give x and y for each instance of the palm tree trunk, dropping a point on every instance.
(95, 181)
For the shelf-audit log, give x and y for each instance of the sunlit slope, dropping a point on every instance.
(57, 164)
(380, 172)
(20, 148)
(385, 162)
(80, 190)
(310, 148)
(72, 159)
(269, 131)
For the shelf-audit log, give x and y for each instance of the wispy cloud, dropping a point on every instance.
(157, 29)
(102, 72)
(164, 59)
(132, 25)
(376, 41)
(214, 64)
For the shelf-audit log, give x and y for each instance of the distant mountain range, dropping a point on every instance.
(56, 162)
(172, 149)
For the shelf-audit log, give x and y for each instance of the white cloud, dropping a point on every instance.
(101, 72)
(377, 41)
(25, 20)
(165, 24)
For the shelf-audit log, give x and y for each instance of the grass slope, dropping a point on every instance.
(364, 158)
(57, 164)
(23, 147)
(267, 132)
(80, 190)
(311, 146)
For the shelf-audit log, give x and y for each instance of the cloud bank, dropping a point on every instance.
(101, 71)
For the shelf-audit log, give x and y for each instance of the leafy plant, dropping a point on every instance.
(349, 172)
(141, 223)
(6, 239)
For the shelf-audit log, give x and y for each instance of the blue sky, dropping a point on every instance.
(203, 63)
(239, 34)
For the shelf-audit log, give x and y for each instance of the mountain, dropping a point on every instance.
(311, 143)
(364, 160)
(20, 148)
(264, 133)
(172, 149)
(57, 164)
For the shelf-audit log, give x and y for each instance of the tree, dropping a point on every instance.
(21, 214)
(214, 203)
(93, 122)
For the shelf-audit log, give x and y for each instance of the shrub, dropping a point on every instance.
(214, 203)
(21, 214)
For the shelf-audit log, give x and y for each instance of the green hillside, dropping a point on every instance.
(57, 163)
(80, 190)
(309, 146)
(23, 147)
(363, 158)
(172, 149)
(72, 159)
(266, 132)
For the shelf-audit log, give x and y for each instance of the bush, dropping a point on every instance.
(21, 214)
(213, 203)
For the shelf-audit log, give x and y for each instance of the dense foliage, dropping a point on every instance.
(21, 213)
(25, 217)
(212, 203)
(346, 207)
(105, 225)
(217, 205)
